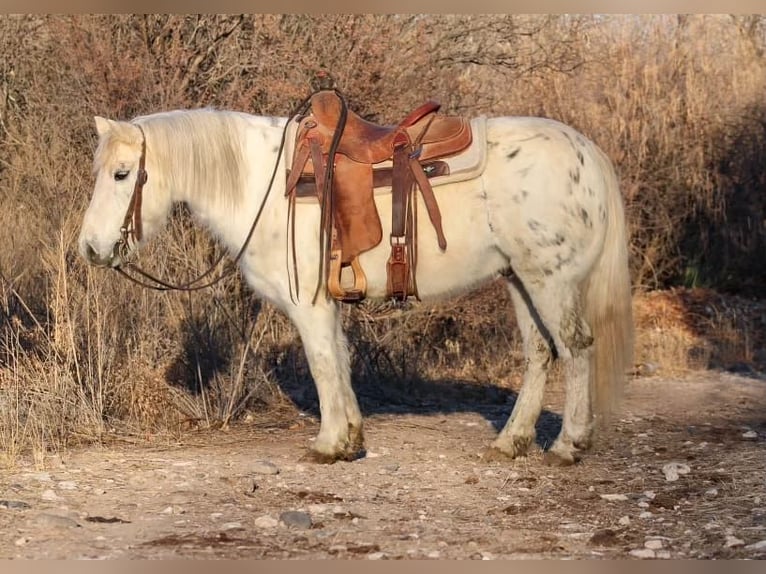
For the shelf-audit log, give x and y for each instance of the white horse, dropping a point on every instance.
(546, 214)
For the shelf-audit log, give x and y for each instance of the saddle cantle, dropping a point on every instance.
(365, 156)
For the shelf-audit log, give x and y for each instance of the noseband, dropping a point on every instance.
(131, 229)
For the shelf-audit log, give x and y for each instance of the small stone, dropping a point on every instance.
(733, 542)
(21, 541)
(231, 526)
(487, 556)
(624, 521)
(295, 519)
(654, 544)
(39, 476)
(67, 485)
(673, 470)
(434, 554)
(643, 553)
(317, 508)
(750, 435)
(49, 495)
(376, 556)
(614, 497)
(663, 554)
(14, 505)
(645, 514)
(53, 521)
(167, 510)
(264, 467)
(760, 545)
(711, 492)
(266, 521)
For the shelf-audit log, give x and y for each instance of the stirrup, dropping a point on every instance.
(355, 293)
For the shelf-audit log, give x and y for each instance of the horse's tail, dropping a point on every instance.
(608, 304)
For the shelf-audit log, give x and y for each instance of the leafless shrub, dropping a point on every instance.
(676, 101)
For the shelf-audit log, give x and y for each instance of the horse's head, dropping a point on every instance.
(127, 206)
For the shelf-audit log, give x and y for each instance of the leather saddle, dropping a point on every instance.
(340, 158)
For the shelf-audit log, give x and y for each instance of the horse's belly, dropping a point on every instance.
(470, 257)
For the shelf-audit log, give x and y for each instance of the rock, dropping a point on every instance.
(266, 521)
(47, 520)
(750, 435)
(49, 495)
(760, 545)
(21, 541)
(376, 556)
(733, 541)
(643, 553)
(624, 521)
(434, 554)
(672, 470)
(67, 485)
(614, 497)
(654, 544)
(295, 519)
(14, 505)
(265, 467)
(231, 526)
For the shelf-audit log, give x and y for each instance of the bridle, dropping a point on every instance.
(132, 228)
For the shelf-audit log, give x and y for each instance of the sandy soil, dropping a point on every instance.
(422, 491)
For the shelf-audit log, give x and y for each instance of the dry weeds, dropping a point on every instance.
(676, 102)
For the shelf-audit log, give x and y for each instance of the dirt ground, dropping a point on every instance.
(682, 474)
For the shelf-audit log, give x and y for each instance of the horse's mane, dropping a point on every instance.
(199, 151)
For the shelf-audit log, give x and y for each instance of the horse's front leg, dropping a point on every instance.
(340, 433)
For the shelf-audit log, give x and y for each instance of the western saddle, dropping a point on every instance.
(340, 158)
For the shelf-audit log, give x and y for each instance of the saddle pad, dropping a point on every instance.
(466, 165)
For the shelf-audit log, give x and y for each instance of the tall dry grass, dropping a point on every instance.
(676, 102)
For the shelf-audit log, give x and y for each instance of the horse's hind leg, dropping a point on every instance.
(340, 433)
(551, 310)
(559, 307)
(519, 432)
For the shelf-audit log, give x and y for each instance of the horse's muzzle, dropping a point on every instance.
(92, 256)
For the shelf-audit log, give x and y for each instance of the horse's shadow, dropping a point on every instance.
(380, 388)
(419, 396)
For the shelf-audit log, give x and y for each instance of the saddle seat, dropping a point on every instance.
(367, 142)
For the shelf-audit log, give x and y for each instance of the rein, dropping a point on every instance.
(132, 228)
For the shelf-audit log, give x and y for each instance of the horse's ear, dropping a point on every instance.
(103, 125)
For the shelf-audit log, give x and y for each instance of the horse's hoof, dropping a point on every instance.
(552, 458)
(509, 449)
(319, 457)
(494, 454)
(324, 458)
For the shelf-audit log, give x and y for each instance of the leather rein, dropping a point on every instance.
(131, 230)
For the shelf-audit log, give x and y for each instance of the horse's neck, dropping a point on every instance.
(231, 221)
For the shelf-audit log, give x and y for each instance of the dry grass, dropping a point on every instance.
(675, 102)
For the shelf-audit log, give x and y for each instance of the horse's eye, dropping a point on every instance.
(121, 174)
